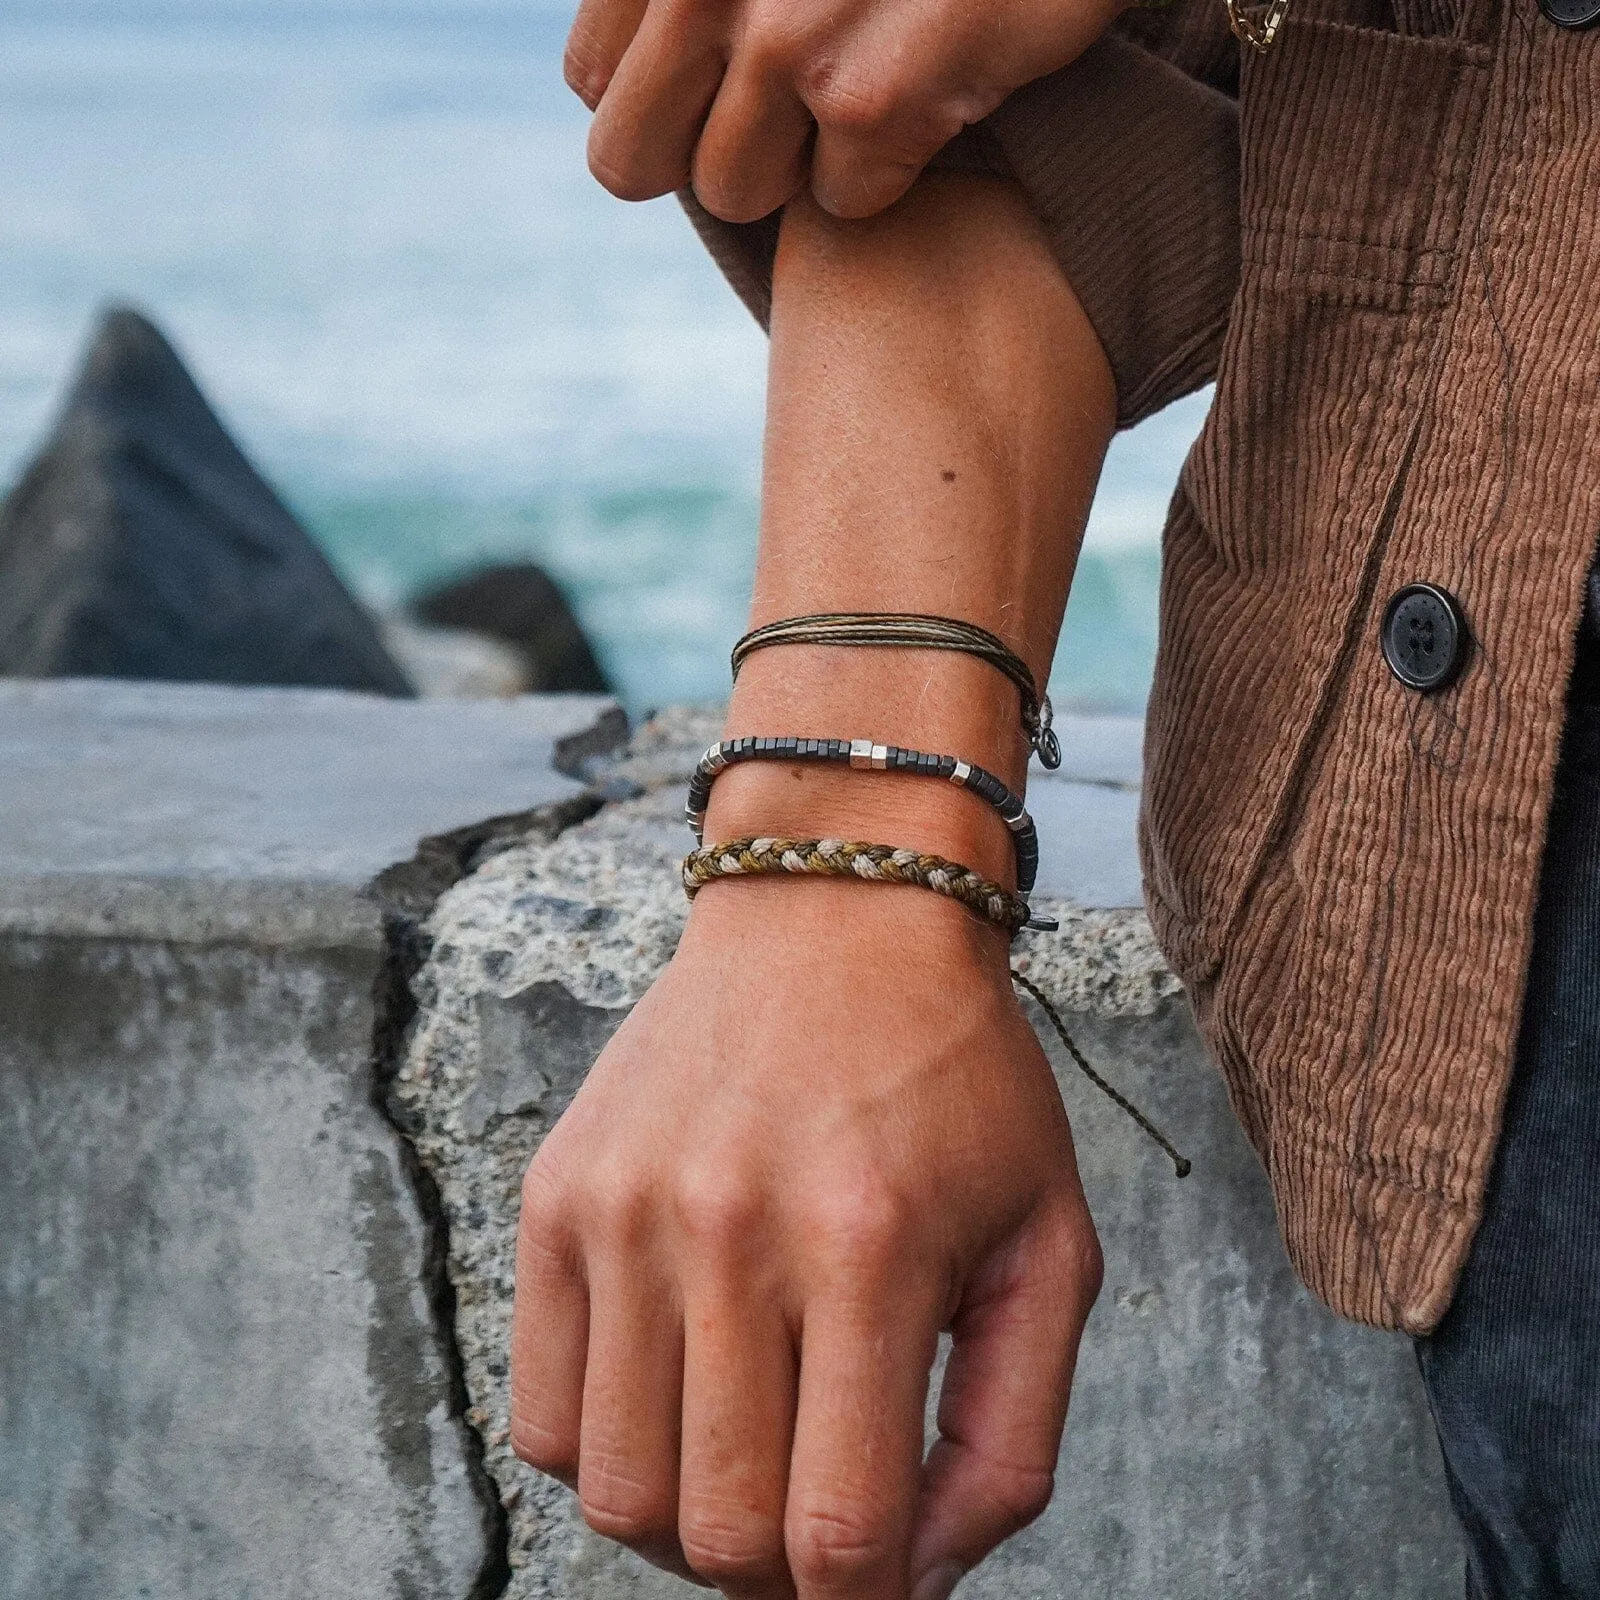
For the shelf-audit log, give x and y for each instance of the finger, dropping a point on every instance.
(601, 33)
(866, 1354)
(855, 176)
(754, 150)
(1003, 1404)
(892, 100)
(738, 1426)
(632, 1402)
(549, 1343)
(642, 140)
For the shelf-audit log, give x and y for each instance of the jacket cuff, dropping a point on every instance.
(1132, 167)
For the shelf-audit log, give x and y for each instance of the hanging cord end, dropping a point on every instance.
(1180, 1163)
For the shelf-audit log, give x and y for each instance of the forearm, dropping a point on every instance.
(828, 1132)
(937, 414)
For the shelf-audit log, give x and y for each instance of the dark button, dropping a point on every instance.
(1571, 13)
(1424, 637)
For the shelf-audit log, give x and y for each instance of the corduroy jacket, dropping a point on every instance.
(1380, 238)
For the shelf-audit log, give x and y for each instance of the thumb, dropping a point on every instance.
(1003, 1403)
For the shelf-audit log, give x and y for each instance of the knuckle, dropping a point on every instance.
(729, 205)
(716, 1209)
(585, 68)
(625, 1508)
(1089, 1267)
(732, 1545)
(694, 18)
(543, 1199)
(848, 101)
(861, 1225)
(1020, 1494)
(1079, 1261)
(546, 1449)
(772, 45)
(731, 195)
(621, 1208)
(619, 177)
(837, 1547)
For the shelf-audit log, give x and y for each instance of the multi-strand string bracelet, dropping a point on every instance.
(881, 863)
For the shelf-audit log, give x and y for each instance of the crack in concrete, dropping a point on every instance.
(406, 895)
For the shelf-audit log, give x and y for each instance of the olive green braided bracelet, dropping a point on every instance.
(879, 863)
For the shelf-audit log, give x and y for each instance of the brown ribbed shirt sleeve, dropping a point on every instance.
(1130, 159)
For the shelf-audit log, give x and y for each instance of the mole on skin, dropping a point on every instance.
(948, 475)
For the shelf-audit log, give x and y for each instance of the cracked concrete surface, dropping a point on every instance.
(253, 1341)
(219, 1368)
(1228, 1435)
(227, 1363)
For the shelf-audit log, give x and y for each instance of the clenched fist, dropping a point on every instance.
(825, 1135)
(749, 100)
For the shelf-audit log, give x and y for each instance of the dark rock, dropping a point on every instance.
(520, 605)
(142, 544)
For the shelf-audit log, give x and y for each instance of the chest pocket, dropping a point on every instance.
(1418, 18)
(1357, 146)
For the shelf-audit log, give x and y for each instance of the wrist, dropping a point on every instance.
(900, 933)
(937, 702)
(798, 800)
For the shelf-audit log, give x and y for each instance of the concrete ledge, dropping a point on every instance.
(1229, 1436)
(227, 1361)
(263, 1123)
(222, 1371)
(205, 813)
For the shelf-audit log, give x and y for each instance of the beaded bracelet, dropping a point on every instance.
(881, 863)
(864, 755)
(911, 630)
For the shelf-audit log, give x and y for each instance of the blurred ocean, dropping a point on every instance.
(369, 228)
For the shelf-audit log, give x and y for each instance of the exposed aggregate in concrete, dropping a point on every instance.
(598, 912)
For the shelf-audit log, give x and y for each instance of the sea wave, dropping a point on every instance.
(369, 227)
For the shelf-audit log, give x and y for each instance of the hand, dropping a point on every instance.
(729, 93)
(826, 1134)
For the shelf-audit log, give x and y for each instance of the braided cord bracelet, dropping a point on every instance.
(881, 863)
(864, 755)
(913, 631)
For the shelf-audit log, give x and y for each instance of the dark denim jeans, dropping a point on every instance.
(1513, 1372)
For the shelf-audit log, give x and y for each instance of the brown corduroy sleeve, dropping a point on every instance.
(1130, 159)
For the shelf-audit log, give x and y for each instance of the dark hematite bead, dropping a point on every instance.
(977, 780)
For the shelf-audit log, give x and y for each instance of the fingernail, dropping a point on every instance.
(938, 1583)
